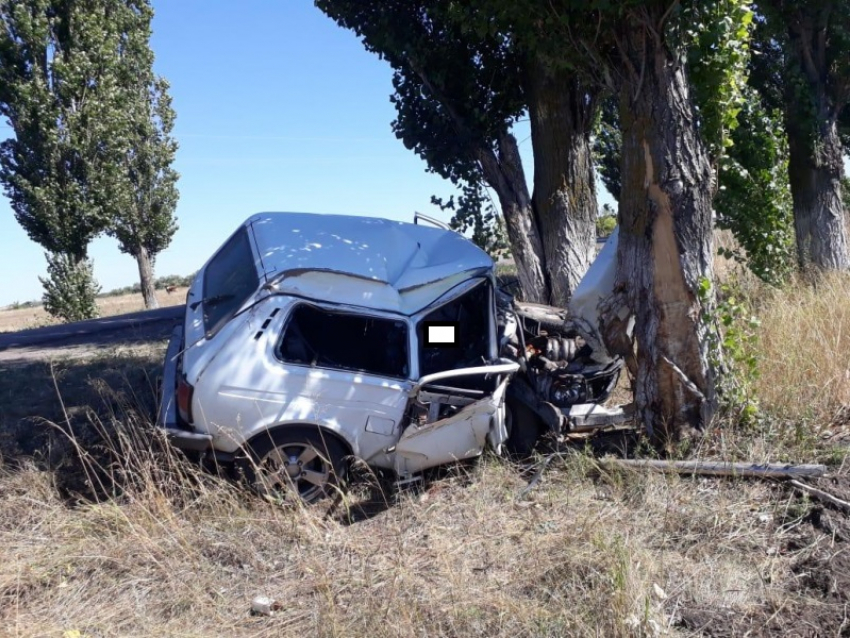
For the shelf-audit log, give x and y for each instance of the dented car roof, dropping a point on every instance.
(398, 266)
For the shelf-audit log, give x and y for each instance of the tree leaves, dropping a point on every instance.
(91, 150)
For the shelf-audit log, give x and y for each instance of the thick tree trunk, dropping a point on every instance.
(665, 247)
(561, 110)
(145, 263)
(505, 175)
(815, 163)
(815, 172)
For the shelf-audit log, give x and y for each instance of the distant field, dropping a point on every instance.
(24, 318)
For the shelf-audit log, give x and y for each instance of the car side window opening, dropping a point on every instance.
(320, 338)
(471, 313)
(230, 279)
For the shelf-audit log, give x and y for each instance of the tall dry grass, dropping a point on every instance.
(803, 350)
(151, 544)
(177, 552)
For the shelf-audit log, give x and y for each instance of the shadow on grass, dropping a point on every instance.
(56, 414)
(90, 422)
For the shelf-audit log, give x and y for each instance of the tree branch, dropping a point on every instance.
(666, 14)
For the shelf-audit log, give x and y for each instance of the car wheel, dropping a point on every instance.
(524, 428)
(302, 461)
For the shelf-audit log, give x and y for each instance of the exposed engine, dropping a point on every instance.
(551, 372)
(558, 364)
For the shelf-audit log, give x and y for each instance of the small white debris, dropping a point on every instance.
(660, 594)
(262, 605)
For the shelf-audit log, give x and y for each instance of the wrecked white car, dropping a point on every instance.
(565, 371)
(310, 339)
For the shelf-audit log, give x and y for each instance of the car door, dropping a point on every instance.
(474, 419)
(344, 370)
(461, 387)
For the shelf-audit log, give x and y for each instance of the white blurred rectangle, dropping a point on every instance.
(441, 334)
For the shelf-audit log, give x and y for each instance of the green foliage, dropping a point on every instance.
(454, 94)
(606, 223)
(732, 339)
(91, 150)
(845, 195)
(607, 145)
(144, 220)
(61, 70)
(474, 211)
(754, 200)
(70, 290)
(718, 55)
(808, 41)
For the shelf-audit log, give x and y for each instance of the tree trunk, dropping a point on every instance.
(665, 248)
(561, 110)
(815, 164)
(145, 263)
(505, 175)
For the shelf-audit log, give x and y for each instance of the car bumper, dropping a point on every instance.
(167, 419)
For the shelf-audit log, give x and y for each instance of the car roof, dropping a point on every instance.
(401, 267)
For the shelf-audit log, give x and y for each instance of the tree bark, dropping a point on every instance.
(561, 110)
(145, 264)
(665, 247)
(505, 175)
(815, 163)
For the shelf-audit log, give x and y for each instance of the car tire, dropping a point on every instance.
(524, 428)
(295, 460)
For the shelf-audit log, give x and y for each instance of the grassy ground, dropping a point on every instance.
(35, 317)
(103, 533)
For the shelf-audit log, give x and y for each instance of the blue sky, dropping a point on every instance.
(277, 109)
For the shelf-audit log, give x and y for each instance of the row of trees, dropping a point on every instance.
(684, 107)
(92, 148)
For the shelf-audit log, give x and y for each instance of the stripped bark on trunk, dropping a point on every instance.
(665, 247)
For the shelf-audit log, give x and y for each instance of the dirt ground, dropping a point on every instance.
(813, 598)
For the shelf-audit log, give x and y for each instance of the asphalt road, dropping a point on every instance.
(148, 325)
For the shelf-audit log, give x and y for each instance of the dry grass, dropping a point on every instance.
(105, 533)
(24, 318)
(804, 351)
(587, 554)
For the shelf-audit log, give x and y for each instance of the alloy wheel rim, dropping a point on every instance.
(299, 467)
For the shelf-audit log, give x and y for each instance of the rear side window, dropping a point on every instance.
(316, 337)
(229, 279)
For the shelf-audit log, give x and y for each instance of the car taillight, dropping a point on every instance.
(184, 400)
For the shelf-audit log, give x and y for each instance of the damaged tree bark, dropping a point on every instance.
(665, 248)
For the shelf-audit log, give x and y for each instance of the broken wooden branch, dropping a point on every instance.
(714, 468)
(826, 497)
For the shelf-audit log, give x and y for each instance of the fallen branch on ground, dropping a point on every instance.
(821, 495)
(713, 468)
